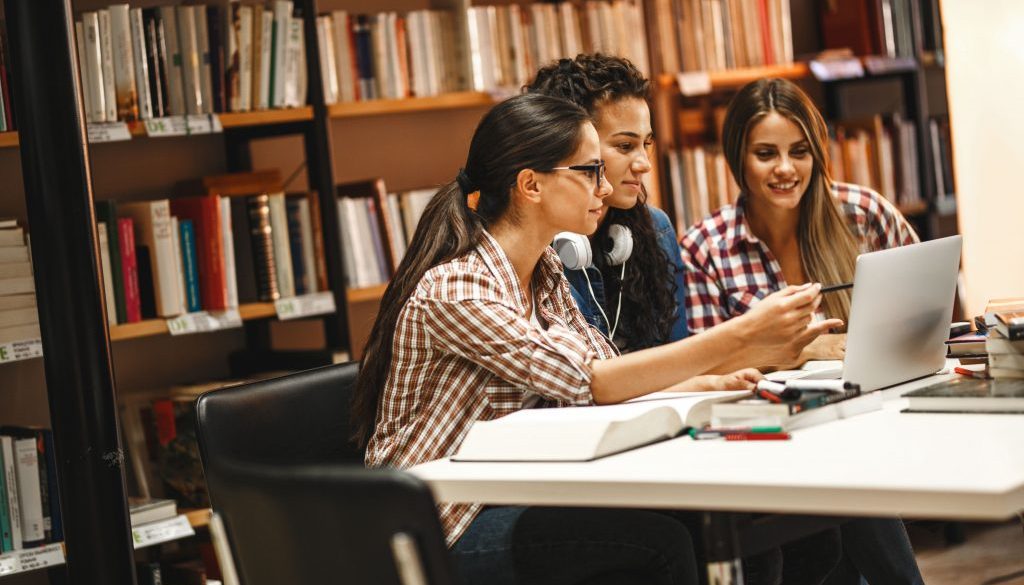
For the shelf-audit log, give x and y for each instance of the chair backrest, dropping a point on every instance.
(299, 418)
(332, 524)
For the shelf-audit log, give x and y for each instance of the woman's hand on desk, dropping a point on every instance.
(830, 346)
(744, 379)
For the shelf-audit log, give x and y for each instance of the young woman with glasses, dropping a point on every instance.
(478, 322)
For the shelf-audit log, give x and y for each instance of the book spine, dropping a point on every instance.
(824, 400)
(245, 269)
(94, 67)
(190, 72)
(156, 78)
(26, 457)
(266, 58)
(175, 76)
(6, 542)
(282, 27)
(263, 248)
(316, 220)
(107, 212)
(107, 66)
(202, 33)
(188, 265)
(294, 93)
(228, 244)
(124, 64)
(308, 250)
(11, 483)
(215, 36)
(129, 269)
(233, 59)
(83, 73)
(108, 279)
(282, 251)
(245, 58)
(50, 457)
(300, 274)
(141, 62)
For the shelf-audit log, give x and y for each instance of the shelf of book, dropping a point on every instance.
(448, 101)
(362, 295)
(151, 327)
(734, 78)
(9, 139)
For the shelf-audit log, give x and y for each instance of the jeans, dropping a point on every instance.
(568, 546)
(878, 549)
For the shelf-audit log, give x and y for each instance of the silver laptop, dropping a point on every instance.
(900, 315)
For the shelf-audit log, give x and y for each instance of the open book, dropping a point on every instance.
(582, 433)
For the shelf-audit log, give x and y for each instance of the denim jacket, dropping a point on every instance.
(666, 235)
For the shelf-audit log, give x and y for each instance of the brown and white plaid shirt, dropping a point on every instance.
(464, 351)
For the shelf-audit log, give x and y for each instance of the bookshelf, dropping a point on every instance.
(449, 101)
(336, 143)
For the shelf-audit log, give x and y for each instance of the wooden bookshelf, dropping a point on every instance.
(735, 78)
(151, 327)
(912, 209)
(8, 139)
(448, 101)
(361, 295)
(264, 117)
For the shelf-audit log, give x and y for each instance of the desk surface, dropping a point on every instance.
(882, 463)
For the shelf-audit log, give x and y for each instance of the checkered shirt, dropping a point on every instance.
(464, 351)
(728, 268)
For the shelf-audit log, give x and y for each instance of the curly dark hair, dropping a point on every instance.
(648, 288)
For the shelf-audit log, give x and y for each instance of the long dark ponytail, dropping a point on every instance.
(523, 132)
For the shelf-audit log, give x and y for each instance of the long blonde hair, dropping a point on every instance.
(828, 248)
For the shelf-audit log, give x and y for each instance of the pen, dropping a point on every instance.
(757, 436)
(779, 389)
(835, 287)
(828, 385)
(767, 395)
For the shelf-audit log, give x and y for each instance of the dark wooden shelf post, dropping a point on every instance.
(72, 319)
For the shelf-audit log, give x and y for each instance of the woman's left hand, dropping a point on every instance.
(744, 379)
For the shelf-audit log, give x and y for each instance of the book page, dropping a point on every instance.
(681, 402)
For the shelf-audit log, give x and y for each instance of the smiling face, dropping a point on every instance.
(778, 163)
(574, 202)
(624, 127)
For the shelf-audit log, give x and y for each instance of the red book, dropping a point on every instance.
(204, 211)
(129, 269)
(766, 31)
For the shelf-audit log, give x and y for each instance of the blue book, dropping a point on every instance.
(364, 58)
(6, 541)
(188, 265)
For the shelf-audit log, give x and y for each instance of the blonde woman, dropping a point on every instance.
(791, 225)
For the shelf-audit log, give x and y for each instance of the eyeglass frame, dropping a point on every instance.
(597, 168)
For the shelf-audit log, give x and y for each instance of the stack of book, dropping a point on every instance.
(712, 35)
(29, 510)
(376, 229)
(509, 43)
(6, 111)
(143, 63)
(1005, 343)
(388, 55)
(19, 320)
(167, 257)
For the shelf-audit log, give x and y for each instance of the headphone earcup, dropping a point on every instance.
(573, 250)
(622, 244)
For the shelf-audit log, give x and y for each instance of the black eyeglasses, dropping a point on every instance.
(594, 169)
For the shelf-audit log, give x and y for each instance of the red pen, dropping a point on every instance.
(757, 436)
(970, 373)
(767, 395)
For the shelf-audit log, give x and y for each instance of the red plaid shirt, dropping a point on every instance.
(728, 269)
(464, 351)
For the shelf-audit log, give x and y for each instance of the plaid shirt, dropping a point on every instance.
(728, 268)
(464, 351)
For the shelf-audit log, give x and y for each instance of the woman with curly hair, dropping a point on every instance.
(640, 302)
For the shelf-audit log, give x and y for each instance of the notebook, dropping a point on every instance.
(1004, 396)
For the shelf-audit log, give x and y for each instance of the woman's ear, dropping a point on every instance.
(529, 184)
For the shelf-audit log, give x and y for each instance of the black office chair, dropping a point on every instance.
(290, 489)
(294, 419)
(331, 524)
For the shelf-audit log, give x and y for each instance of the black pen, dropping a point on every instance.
(835, 287)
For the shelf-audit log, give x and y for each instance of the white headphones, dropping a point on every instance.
(576, 254)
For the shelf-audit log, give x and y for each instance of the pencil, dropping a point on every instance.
(835, 287)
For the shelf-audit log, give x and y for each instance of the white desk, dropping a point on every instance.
(882, 463)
